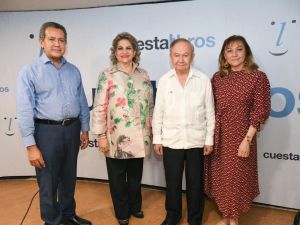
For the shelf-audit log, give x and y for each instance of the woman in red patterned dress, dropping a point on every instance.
(242, 98)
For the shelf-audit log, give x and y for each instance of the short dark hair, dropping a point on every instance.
(133, 42)
(53, 25)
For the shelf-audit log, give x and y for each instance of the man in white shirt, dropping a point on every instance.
(183, 129)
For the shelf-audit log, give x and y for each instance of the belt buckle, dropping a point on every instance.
(66, 122)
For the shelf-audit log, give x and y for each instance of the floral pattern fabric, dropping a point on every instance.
(123, 108)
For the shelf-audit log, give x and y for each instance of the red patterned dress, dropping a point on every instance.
(242, 99)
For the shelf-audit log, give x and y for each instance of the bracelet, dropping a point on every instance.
(103, 135)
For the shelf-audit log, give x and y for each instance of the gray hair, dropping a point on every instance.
(182, 40)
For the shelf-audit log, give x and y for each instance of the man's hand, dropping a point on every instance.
(208, 149)
(158, 148)
(35, 157)
(84, 138)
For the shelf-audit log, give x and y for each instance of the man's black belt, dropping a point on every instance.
(64, 122)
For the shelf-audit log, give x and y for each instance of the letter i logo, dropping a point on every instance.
(279, 41)
(10, 126)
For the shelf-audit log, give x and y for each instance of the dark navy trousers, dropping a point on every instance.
(175, 161)
(59, 146)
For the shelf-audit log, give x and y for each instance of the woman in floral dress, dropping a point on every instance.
(242, 100)
(121, 118)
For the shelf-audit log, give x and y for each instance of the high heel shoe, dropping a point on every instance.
(234, 222)
(224, 221)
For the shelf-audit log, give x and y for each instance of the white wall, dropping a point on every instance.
(269, 26)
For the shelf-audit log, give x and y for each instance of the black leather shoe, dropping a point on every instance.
(76, 220)
(50, 224)
(124, 222)
(165, 222)
(168, 221)
(139, 214)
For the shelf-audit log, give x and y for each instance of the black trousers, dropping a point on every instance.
(125, 176)
(59, 146)
(175, 160)
(297, 218)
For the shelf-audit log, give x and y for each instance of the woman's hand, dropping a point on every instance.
(244, 148)
(103, 144)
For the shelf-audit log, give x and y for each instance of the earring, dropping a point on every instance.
(226, 65)
(246, 63)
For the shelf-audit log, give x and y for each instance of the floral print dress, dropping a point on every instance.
(123, 109)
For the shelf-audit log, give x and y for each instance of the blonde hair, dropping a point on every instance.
(133, 42)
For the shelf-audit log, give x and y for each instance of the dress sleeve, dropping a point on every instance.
(262, 102)
(213, 81)
(99, 115)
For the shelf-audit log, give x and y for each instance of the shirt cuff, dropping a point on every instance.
(29, 141)
(156, 139)
(85, 127)
(209, 141)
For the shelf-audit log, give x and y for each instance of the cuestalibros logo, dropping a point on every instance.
(93, 143)
(279, 50)
(281, 156)
(4, 89)
(157, 43)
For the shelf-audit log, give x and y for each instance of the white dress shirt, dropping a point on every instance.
(184, 117)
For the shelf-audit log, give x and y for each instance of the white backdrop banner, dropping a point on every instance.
(271, 28)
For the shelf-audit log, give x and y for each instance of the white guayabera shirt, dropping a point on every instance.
(184, 117)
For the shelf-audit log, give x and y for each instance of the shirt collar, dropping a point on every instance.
(46, 60)
(192, 73)
(115, 68)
